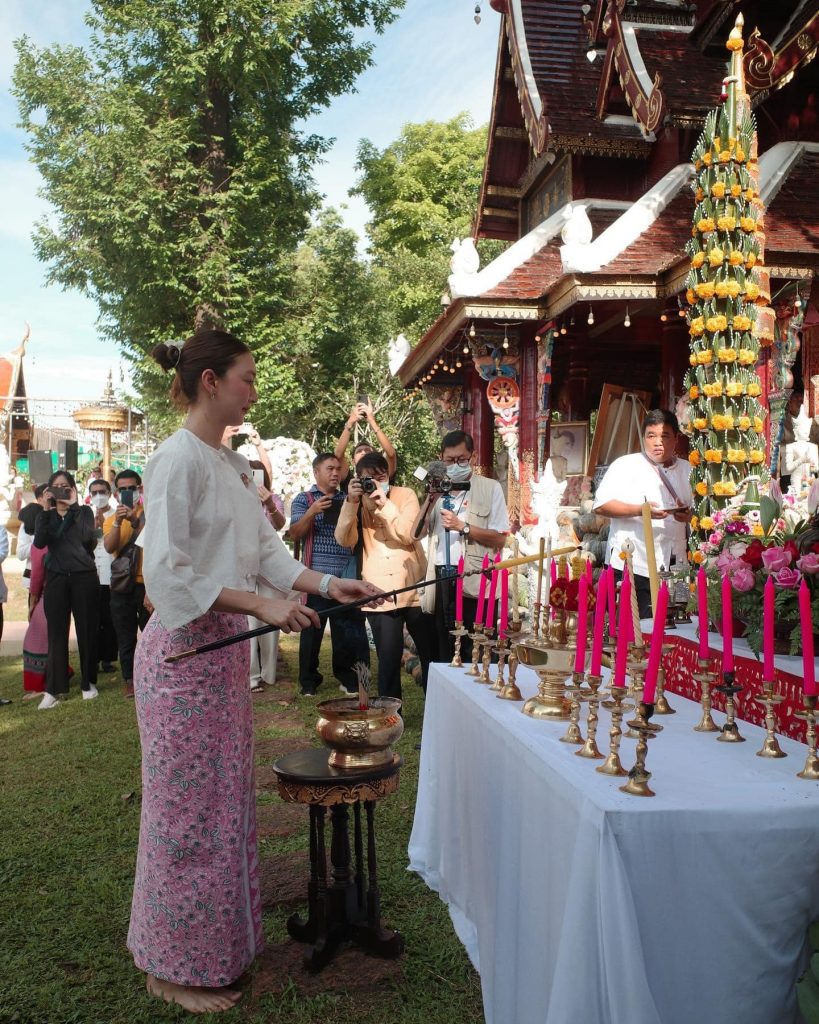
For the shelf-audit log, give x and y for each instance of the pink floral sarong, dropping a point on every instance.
(196, 915)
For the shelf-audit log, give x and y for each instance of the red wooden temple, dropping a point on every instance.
(596, 110)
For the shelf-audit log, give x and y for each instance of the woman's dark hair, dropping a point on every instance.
(28, 516)
(64, 473)
(255, 464)
(661, 418)
(374, 461)
(205, 350)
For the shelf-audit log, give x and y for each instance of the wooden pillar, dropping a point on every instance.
(527, 431)
(479, 422)
(674, 359)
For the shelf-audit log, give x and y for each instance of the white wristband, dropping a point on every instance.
(324, 584)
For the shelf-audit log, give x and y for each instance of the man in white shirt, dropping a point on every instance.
(657, 476)
(477, 524)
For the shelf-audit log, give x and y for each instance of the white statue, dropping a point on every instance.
(465, 258)
(800, 458)
(547, 494)
(9, 486)
(397, 351)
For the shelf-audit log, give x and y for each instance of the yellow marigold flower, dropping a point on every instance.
(718, 189)
(727, 355)
(749, 194)
(706, 523)
(726, 223)
(733, 289)
(754, 390)
(697, 260)
(705, 225)
(757, 424)
(746, 357)
(736, 190)
(722, 422)
(704, 290)
(694, 457)
(747, 224)
(740, 154)
(700, 423)
(697, 327)
(736, 455)
(733, 389)
(694, 393)
(715, 257)
(706, 159)
(725, 488)
(705, 358)
(692, 360)
(742, 323)
(751, 291)
(690, 297)
(736, 258)
(750, 260)
(757, 456)
(756, 529)
(697, 557)
(724, 156)
(744, 422)
(697, 165)
(713, 390)
(694, 522)
(721, 289)
(712, 455)
(701, 488)
(699, 195)
(717, 143)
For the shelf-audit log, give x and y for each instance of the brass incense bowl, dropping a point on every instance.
(360, 738)
(553, 665)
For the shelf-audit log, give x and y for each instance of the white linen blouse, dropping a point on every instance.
(203, 530)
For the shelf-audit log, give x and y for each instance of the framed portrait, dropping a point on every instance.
(618, 426)
(571, 442)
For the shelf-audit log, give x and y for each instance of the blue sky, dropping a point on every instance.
(431, 64)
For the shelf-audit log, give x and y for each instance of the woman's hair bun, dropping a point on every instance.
(167, 356)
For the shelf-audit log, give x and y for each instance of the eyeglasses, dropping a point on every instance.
(463, 461)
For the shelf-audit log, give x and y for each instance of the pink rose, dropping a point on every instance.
(715, 538)
(743, 579)
(774, 559)
(809, 564)
(788, 577)
(727, 563)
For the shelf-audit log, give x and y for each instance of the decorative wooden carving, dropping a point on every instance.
(649, 107)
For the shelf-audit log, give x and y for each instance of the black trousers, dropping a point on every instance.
(68, 594)
(107, 639)
(388, 633)
(643, 587)
(445, 621)
(348, 637)
(129, 614)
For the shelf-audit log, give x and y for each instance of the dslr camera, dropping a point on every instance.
(368, 485)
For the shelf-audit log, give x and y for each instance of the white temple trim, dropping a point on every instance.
(525, 60)
(776, 164)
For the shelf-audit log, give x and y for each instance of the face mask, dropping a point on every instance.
(99, 500)
(459, 474)
(385, 487)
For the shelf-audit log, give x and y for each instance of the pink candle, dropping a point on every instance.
(582, 624)
(727, 625)
(806, 621)
(611, 594)
(621, 651)
(599, 624)
(504, 605)
(482, 590)
(702, 612)
(768, 631)
(489, 620)
(459, 591)
(589, 572)
(656, 649)
(552, 581)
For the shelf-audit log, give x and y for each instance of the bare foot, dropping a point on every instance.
(192, 998)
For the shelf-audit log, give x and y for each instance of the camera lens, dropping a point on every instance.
(368, 485)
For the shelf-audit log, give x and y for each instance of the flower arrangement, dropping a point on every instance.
(748, 545)
(564, 594)
(292, 464)
(728, 295)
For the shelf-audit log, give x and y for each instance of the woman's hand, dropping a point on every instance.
(354, 590)
(354, 491)
(289, 616)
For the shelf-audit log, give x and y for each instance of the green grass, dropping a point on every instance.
(69, 820)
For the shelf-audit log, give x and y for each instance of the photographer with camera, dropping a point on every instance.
(314, 515)
(475, 523)
(72, 585)
(378, 519)
(363, 411)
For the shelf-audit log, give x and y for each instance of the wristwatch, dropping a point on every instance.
(324, 584)
(466, 530)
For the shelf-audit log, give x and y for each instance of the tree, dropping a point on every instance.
(172, 153)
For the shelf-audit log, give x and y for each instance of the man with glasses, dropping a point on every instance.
(130, 608)
(477, 525)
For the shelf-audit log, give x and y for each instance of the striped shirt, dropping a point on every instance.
(327, 555)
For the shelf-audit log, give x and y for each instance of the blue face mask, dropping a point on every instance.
(385, 487)
(459, 474)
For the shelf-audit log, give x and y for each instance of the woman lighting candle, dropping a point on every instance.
(655, 653)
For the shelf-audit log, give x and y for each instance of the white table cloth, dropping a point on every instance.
(580, 904)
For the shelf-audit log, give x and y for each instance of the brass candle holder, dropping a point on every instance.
(639, 775)
(661, 705)
(501, 648)
(811, 769)
(510, 689)
(769, 699)
(706, 677)
(459, 633)
(730, 731)
(553, 665)
(535, 632)
(573, 733)
(590, 748)
(476, 636)
(612, 765)
(637, 666)
(486, 655)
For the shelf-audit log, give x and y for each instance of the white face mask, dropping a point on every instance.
(459, 474)
(385, 487)
(99, 500)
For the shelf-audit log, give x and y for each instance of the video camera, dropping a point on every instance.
(436, 481)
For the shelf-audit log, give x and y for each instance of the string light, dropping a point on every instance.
(505, 339)
(472, 330)
(590, 320)
(563, 328)
(627, 321)
(664, 316)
